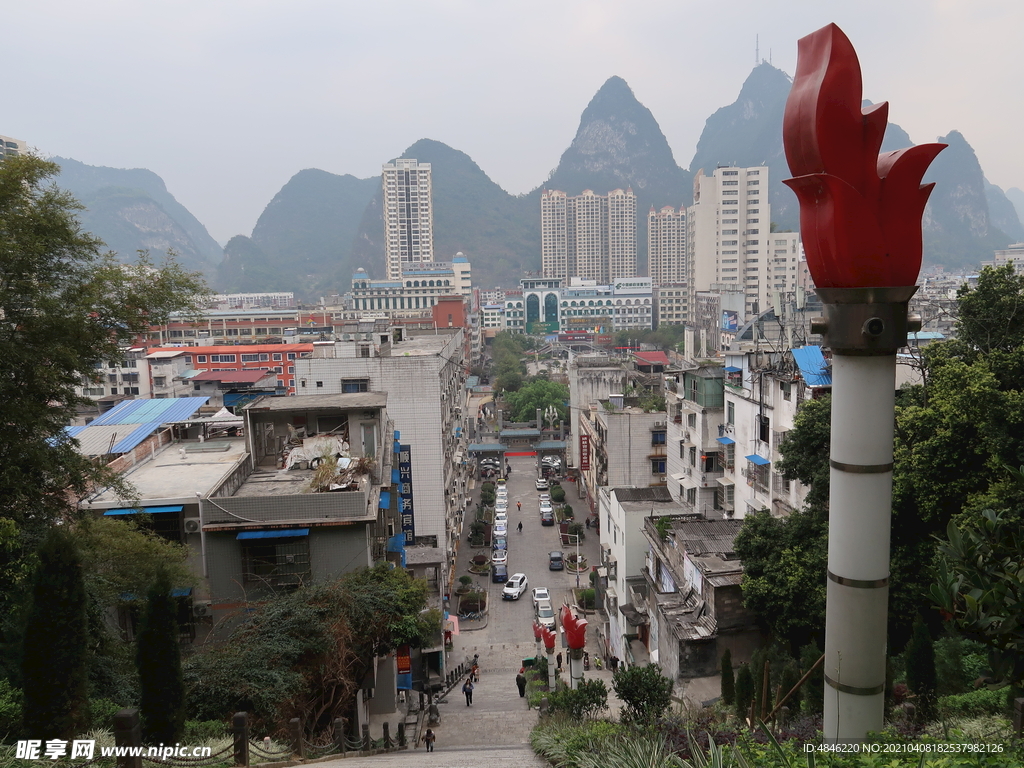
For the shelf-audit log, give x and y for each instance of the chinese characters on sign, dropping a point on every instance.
(584, 451)
(405, 493)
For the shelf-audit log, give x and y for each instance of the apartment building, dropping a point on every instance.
(590, 236)
(666, 245)
(270, 358)
(408, 215)
(11, 147)
(418, 288)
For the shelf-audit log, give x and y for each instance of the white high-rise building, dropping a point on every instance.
(11, 147)
(408, 215)
(666, 245)
(589, 236)
(730, 239)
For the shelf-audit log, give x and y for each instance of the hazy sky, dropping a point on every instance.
(226, 99)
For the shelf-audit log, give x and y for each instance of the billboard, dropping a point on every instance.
(406, 509)
(730, 320)
(584, 451)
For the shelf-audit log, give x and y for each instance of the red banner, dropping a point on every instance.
(404, 660)
(584, 451)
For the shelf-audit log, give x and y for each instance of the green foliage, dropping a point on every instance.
(805, 449)
(979, 584)
(102, 712)
(787, 679)
(589, 698)
(557, 494)
(920, 661)
(973, 703)
(784, 566)
(10, 711)
(728, 679)
(507, 356)
(958, 663)
(645, 693)
(564, 742)
(663, 525)
(199, 731)
(744, 692)
(465, 580)
(56, 640)
(813, 690)
(304, 654)
(990, 316)
(158, 660)
(65, 307)
(587, 599)
(522, 405)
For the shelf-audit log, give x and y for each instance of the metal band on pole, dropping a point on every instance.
(859, 583)
(860, 469)
(852, 689)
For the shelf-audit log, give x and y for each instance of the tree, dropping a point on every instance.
(920, 657)
(744, 692)
(805, 449)
(65, 306)
(991, 314)
(789, 677)
(728, 680)
(522, 405)
(56, 647)
(784, 572)
(813, 691)
(644, 691)
(158, 660)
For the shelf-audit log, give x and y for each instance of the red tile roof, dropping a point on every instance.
(651, 358)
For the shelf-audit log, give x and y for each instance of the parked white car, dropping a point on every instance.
(501, 517)
(514, 587)
(541, 593)
(545, 613)
(501, 529)
(499, 557)
(545, 506)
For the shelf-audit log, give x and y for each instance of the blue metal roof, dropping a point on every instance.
(725, 440)
(147, 510)
(925, 335)
(151, 411)
(732, 369)
(759, 460)
(812, 366)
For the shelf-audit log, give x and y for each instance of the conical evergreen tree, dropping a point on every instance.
(55, 652)
(158, 660)
(728, 679)
(789, 677)
(744, 692)
(814, 688)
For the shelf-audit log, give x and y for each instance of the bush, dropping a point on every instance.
(10, 711)
(587, 599)
(567, 512)
(973, 704)
(202, 731)
(644, 692)
(102, 712)
(590, 698)
(728, 680)
(744, 692)
(557, 494)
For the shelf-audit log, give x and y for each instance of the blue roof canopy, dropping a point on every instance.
(146, 510)
(812, 366)
(732, 369)
(725, 440)
(281, 534)
(759, 460)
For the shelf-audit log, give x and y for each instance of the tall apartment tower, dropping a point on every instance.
(590, 236)
(730, 242)
(11, 147)
(408, 215)
(666, 245)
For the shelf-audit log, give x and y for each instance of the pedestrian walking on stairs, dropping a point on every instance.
(467, 688)
(521, 682)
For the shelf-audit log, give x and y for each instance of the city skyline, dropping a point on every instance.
(208, 88)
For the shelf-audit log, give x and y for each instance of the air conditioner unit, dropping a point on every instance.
(192, 525)
(199, 610)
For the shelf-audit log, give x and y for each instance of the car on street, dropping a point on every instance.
(499, 573)
(514, 587)
(544, 498)
(547, 518)
(501, 529)
(542, 484)
(501, 517)
(500, 557)
(545, 506)
(500, 542)
(545, 613)
(555, 561)
(541, 593)
(501, 481)
(501, 507)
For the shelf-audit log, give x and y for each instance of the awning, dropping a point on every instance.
(678, 477)
(451, 624)
(146, 510)
(725, 481)
(385, 500)
(281, 534)
(732, 369)
(759, 460)
(725, 440)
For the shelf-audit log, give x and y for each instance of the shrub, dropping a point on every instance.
(813, 690)
(590, 698)
(587, 599)
(645, 693)
(201, 731)
(557, 494)
(566, 512)
(467, 580)
(10, 711)
(744, 692)
(102, 712)
(920, 655)
(973, 703)
(728, 680)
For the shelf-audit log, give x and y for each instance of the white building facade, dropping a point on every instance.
(408, 215)
(666, 245)
(590, 236)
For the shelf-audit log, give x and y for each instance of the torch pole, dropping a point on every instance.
(864, 328)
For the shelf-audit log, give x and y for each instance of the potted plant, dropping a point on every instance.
(464, 582)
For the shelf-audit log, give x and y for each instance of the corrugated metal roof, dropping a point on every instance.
(653, 493)
(813, 368)
(250, 376)
(147, 411)
(110, 438)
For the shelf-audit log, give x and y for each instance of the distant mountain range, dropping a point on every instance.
(320, 227)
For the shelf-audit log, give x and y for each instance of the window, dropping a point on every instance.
(787, 390)
(657, 438)
(682, 449)
(657, 466)
(691, 496)
(730, 412)
(693, 456)
(200, 358)
(364, 350)
(264, 357)
(729, 458)
(355, 385)
(691, 420)
(709, 462)
(158, 381)
(319, 384)
(725, 497)
(763, 424)
(291, 355)
(757, 476)
(280, 562)
(277, 357)
(250, 358)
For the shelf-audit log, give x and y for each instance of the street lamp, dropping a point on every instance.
(860, 219)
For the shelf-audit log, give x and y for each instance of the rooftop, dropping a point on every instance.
(350, 401)
(234, 377)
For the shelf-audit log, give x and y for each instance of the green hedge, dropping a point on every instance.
(980, 702)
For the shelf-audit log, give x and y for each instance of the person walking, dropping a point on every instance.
(520, 526)
(467, 688)
(558, 658)
(519, 506)
(428, 739)
(521, 682)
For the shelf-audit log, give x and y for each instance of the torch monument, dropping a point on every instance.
(860, 220)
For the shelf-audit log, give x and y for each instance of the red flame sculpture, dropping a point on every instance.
(575, 629)
(549, 639)
(860, 212)
(537, 631)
